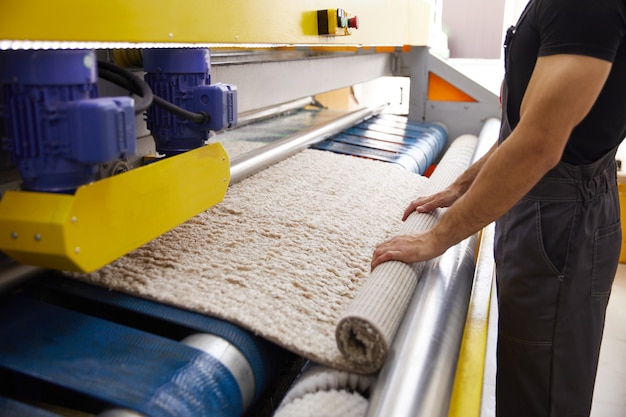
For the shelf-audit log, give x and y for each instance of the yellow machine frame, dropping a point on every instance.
(391, 22)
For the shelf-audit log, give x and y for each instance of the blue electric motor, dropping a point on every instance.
(57, 130)
(181, 76)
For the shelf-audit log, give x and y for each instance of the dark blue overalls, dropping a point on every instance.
(556, 252)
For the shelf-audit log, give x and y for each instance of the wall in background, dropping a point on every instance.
(475, 29)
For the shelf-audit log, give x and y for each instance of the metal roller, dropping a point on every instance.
(254, 161)
(229, 355)
(119, 412)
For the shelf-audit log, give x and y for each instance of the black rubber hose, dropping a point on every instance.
(136, 85)
(199, 118)
(141, 102)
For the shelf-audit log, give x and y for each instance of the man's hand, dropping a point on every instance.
(452, 193)
(428, 204)
(408, 248)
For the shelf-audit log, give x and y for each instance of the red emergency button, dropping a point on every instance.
(353, 22)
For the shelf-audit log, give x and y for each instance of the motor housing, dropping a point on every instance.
(181, 76)
(57, 129)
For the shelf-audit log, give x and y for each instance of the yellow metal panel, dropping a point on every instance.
(32, 225)
(622, 209)
(216, 21)
(468, 384)
(107, 219)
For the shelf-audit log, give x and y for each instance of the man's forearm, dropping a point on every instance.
(465, 180)
(501, 179)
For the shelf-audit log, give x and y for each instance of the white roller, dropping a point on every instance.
(326, 392)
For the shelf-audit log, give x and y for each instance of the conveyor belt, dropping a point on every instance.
(389, 138)
(112, 363)
(119, 351)
(156, 318)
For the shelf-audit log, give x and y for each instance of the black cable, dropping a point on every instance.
(141, 102)
(136, 85)
(140, 86)
(199, 118)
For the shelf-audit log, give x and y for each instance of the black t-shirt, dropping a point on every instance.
(594, 28)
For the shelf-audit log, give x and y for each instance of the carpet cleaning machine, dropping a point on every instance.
(110, 116)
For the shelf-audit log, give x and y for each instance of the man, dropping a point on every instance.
(550, 184)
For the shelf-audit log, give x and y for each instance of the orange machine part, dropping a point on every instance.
(441, 90)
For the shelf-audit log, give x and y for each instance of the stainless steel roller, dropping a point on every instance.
(254, 161)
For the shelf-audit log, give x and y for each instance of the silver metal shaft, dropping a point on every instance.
(258, 159)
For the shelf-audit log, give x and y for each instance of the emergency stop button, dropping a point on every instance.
(335, 22)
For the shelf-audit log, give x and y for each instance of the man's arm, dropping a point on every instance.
(560, 93)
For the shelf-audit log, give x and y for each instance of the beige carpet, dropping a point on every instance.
(283, 255)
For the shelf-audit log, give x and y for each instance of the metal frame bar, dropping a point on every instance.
(459, 117)
(269, 83)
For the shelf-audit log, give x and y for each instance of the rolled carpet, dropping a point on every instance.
(366, 329)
